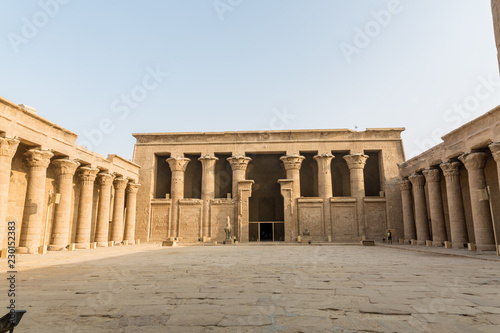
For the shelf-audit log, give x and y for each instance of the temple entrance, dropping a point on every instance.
(266, 203)
(267, 231)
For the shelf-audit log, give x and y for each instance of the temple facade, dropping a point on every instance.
(340, 185)
(60, 194)
(450, 193)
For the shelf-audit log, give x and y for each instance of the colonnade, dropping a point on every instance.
(416, 215)
(239, 164)
(33, 227)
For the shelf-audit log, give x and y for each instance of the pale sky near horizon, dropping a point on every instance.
(107, 69)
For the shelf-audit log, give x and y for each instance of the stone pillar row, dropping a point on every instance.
(356, 164)
(415, 212)
(33, 222)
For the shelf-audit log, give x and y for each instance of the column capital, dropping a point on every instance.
(105, 179)
(356, 161)
(328, 157)
(8, 146)
(473, 161)
(432, 175)
(292, 162)
(450, 169)
(178, 163)
(404, 185)
(65, 166)
(120, 183)
(495, 151)
(417, 180)
(38, 158)
(239, 162)
(207, 157)
(87, 174)
(133, 187)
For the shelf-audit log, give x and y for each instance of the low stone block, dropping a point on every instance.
(42, 249)
(447, 245)
(125, 242)
(111, 243)
(4, 252)
(93, 245)
(71, 247)
(138, 241)
(428, 243)
(215, 242)
(471, 247)
(169, 243)
(367, 242)
(401, 241)
(413, 242)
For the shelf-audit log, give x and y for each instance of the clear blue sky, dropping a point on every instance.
(249, 65)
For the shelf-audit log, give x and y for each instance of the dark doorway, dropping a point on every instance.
(372, 174)
(163, 177)
(266, 202)
(266, 232)
(192, 177)
(309, 176)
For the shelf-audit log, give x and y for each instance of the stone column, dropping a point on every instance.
(84, 223)
(65, 170)
(421, 219)
(356, 164)
(178, 166)
(436, 211)
(495, 151)
(132, 190)
(31, 228)
(242, 215)
(292, 165)
(8, 147)
(239, 166)
(207, 189)
(481, 215)
(325, 189)
(289, 206)
(102, 226)
(408, 218)
(120, 184)
(456, 212)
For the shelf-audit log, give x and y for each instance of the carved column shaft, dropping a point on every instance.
(292, 165)
(178, 167)
(410, 231)
(8, 147)
(421, 219)
(132, 189)
(60, 231)
(481, 215)
(456, 212)
(102, 227)
(207, 190)
(239, 166)
(495, 151)
(120, 184)
(38, 162)
(356, 164)
(84, 223)
(325, 189)
(433, 178)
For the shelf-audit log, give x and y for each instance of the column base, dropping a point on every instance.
(131, 242)
(57, 247)
(459, 245)
(485, 247)
(82, 246)
(102, 244)
(420, 242)
(437, 243)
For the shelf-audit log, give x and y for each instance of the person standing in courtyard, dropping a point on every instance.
(389, 237)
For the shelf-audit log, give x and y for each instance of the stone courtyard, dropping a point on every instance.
(259, 288)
